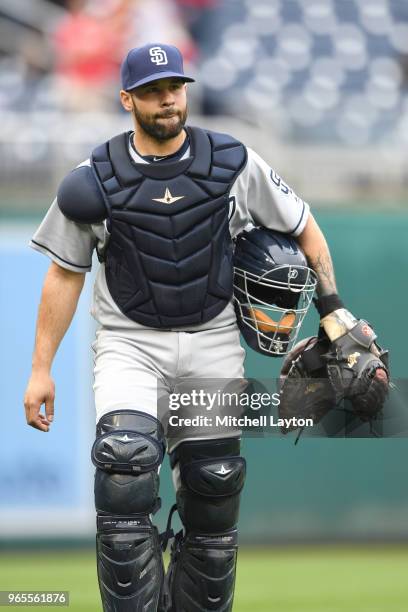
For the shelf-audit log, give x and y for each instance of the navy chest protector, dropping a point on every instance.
(169, 257)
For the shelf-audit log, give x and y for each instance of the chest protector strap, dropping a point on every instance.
(169, 259)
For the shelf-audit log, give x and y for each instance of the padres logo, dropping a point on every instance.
(366, 330)
(158, 56)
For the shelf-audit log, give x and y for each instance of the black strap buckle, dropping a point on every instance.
(168, 534)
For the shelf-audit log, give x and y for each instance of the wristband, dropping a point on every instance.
(326, 304)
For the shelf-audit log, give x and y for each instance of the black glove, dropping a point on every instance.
(305, 390)
(317, 375)
(358, 370)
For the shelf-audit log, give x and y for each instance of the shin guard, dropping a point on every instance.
(209, 478)
(127, 453)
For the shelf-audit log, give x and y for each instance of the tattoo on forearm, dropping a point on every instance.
(323, 266)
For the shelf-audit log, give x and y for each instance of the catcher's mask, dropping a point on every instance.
(273, 289)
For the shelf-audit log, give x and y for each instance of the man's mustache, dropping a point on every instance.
(168, 114)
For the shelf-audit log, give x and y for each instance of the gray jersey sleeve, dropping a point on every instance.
(260, 196)
(67, 243)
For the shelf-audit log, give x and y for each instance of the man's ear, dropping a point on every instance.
(126, 100)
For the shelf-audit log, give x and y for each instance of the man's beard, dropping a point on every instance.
(161, 131)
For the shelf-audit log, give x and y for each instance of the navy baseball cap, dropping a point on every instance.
(150, 63)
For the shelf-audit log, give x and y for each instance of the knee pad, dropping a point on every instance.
(127, 453)
(209, 476)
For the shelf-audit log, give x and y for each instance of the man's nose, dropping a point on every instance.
(167, 98)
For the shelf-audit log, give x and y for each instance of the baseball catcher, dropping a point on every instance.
(161, 205)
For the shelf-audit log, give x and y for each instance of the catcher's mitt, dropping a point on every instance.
(305, 390)
(358, 370)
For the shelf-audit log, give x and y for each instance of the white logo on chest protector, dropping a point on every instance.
(158, 56)
(124, 438)
(168, 198)
(223, 471)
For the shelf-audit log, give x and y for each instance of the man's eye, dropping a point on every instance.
(151, 89)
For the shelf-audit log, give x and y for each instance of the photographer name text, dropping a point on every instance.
(242, 421)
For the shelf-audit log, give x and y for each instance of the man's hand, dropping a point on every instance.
(40, 390)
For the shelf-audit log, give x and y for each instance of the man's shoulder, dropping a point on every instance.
(220, 139)
(101, 150)
(86, 162)
(79, 197)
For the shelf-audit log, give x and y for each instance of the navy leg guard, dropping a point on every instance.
(209, 477)
(127, 453)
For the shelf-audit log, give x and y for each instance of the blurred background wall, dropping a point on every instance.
(319, 89)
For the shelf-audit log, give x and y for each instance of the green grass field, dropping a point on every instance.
(269, 580)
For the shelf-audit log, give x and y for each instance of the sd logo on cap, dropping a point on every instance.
(150, 63)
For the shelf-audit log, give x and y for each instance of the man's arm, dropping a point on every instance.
(314, 246)
(356, 366)
(334, 318)
(59, 300)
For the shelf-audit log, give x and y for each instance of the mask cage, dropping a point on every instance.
(274, 304)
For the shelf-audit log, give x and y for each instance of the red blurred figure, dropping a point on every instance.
(89, 44)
